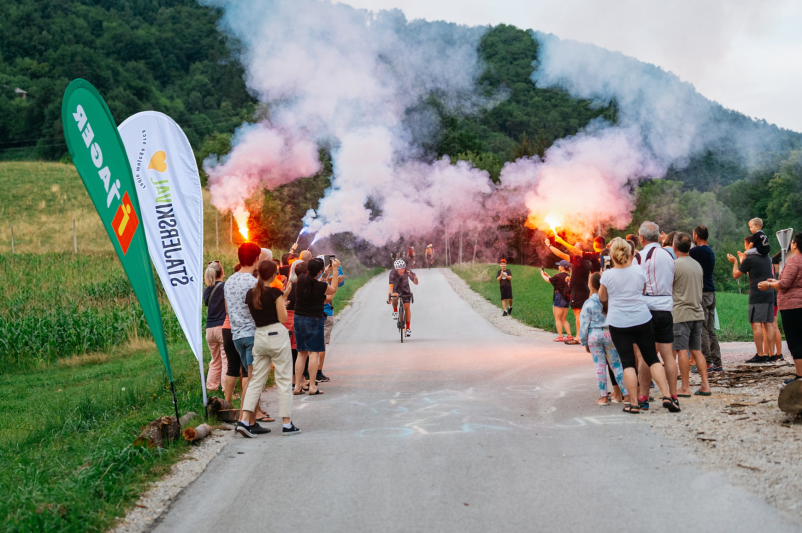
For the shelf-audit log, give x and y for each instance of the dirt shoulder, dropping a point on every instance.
(738, 432)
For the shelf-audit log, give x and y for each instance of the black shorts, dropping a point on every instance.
(625, 339)
(578, 299)
(663, 326)
(232, 356)
(506, 292)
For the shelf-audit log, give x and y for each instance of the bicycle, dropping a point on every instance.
(402, 316)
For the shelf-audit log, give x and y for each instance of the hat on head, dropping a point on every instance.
(502, 260)
(564, 264)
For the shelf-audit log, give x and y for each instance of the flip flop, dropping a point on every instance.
(266, 418)
(700, 393)
(559, 339)
(683, 395)
(316, 392)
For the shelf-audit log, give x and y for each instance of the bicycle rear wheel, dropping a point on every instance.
(402, 319)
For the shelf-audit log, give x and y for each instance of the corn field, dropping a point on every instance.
(57, 305)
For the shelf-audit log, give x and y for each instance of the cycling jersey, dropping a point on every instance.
(400, 282)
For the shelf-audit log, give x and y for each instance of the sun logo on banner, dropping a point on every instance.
(125, 223)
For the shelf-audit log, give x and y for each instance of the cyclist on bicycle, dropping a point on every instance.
(429, 253)
(400, 277)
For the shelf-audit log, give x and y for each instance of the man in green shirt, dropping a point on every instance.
(688, 315)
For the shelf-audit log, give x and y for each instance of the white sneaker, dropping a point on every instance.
(395, 315)
(409, 332)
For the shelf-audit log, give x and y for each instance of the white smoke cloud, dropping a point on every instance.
(355, 81)
(662, 121)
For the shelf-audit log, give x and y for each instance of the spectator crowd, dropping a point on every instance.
(645, 308)
(270, 314)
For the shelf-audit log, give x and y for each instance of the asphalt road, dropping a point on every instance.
(461, 428)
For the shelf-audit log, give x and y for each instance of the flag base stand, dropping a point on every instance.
(175, 403)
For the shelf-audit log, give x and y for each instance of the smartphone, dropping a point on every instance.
(328, 258)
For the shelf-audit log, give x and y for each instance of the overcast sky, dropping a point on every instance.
(746, 55)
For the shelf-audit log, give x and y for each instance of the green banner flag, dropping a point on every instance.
(100, 158)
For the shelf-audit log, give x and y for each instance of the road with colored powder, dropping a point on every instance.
(461, 428)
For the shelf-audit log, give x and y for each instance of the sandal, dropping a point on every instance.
(671, 404)
(266, 418)
(600, 402)
(316, 392)
(631, 409)
(559, 339)
(700, 393)
(572, 341)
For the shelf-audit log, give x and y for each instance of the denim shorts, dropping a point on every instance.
(309, 333)
(560, 301)
(244, 348)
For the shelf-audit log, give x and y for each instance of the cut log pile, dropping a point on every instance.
(162, 430)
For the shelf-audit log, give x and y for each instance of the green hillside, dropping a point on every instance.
(165, 55)
(170, 56)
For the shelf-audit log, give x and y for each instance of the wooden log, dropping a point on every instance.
(217, 404)
(197, 433)
(165, 428)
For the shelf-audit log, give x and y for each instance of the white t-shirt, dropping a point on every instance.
(659, 270)
(626, 306)
(236, 287)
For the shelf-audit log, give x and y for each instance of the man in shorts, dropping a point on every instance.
(328, 309)
(504, 278)
(658, 264)
(761, 303)
(243, 328)
(688, 315)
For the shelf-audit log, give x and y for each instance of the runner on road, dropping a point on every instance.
(400, 277)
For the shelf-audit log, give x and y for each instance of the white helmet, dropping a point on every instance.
(399, 263)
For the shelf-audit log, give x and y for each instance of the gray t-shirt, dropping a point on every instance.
(687, 290)
(236, 287)
(759, 269)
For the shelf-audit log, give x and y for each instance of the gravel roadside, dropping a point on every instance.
(738, 432)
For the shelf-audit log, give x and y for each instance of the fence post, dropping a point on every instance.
(12, 238)
(74, 238)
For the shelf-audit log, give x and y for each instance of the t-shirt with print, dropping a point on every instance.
(759, 269)
(687, 294)
(761, 242)
(311, 295)
(237, 287)
(504, 282)
(268, 314)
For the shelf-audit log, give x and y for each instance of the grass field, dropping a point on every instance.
(67, 462)
(533, 297)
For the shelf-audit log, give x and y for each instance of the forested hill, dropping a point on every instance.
(165, 55)
(168, 55)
